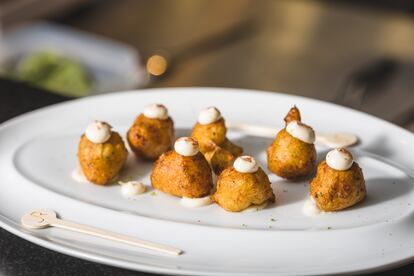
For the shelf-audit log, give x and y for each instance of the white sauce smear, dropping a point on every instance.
(78, 175)
(195, 202)
(310, 209)
(132, 188)
(337, 140)
(255, 208)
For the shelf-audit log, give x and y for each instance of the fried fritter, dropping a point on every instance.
(237, 191)
(288, 156)
(334, 190)
(149, 138)
(219, 159)
(232, 148)
(102, 162)
(219, 151)
(209, 136)
(293, 115)
(182, 176)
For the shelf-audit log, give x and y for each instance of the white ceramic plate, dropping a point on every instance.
(38, 154)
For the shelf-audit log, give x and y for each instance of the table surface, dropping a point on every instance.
(299, 47)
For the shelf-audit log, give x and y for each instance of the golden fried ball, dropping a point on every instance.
(219, 159)
(293, 115)
(291, 158)
(101, 163)
(209, 136)
(335, 190)
(149, 138)
(178, 175)
(237, 191)
(219, 151)
(234, 149)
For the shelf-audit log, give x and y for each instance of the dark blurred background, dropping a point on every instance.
(355, 53)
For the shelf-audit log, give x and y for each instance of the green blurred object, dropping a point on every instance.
(54, 72)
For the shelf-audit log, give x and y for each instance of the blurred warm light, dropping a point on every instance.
(157, 65)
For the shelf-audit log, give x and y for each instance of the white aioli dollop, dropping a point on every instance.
(209, 115)
(309, 208)
(156, 111)
(246, 164)
(195, 202)
(98, 132)
(301, 132)
(255, 208)
(186, 146)
(339, 159)
(132, 188)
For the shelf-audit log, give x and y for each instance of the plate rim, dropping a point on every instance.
(135, 266)
(17, 118)
(147, 268)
